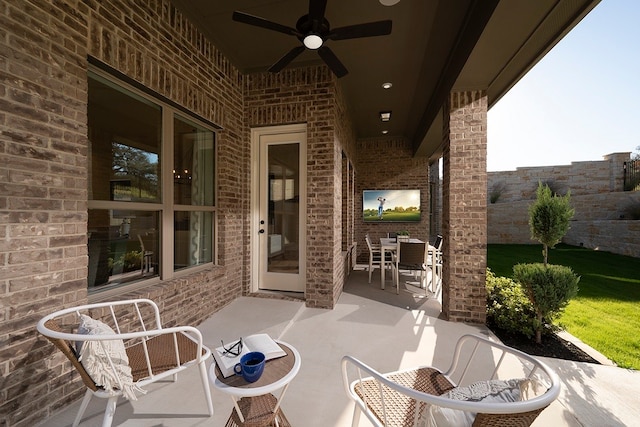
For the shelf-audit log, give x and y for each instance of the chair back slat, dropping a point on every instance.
(368, 240)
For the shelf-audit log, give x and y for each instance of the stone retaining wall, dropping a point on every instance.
(601, 222)
(593, 177)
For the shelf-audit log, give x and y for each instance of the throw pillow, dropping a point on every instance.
(106, 362)
(494, 391)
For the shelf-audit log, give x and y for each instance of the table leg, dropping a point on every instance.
(383, 266)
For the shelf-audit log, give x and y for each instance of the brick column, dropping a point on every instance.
(464, 196)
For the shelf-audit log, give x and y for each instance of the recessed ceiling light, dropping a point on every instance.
(387, 85)
(385, 116)
(384, 132)
(389, 2)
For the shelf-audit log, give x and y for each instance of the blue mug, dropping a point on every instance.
(251, 366)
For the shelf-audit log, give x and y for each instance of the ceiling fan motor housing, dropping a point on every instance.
(307, 27)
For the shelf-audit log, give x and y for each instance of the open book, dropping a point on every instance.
(258, 342)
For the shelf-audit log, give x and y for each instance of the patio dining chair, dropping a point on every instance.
(375, 255)
(410, 256)
(434, 262)
(487, 384)
(147, 255)
(121, 359)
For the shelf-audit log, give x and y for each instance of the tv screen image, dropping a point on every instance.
(391, 205)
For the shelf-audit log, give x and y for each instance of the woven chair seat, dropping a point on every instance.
(162, 355)
(401, 409)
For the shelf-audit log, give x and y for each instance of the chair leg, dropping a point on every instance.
(205, 385)
(397, 279)
(356, 416)
(370, 268)
(110, 411)
(83, 407)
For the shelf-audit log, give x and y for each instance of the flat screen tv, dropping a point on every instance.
(391, 205)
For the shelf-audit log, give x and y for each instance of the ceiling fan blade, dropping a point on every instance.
(316, 9)
(245, 18)
(371, 29)
(332, 61)
(285, 60)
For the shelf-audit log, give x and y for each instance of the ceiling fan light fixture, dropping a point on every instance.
(384, 132)
(387, 85)
(389, 2)
(312, 41)
(385, 116)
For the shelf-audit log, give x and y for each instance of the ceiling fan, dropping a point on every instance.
(313, 31)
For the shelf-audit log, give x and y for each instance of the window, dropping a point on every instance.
(151, 186)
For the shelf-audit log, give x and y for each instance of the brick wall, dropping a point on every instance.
(464, 220)
(311, 95)
(400, 171)
(43, 173)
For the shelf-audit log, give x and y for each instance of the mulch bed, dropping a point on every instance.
(552, 346)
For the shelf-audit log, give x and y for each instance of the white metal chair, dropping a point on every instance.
(154, 352)
(434, 262)
(410, 256)
(408, 397)
(375, 255)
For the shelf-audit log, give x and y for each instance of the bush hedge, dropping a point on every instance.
(508, 307)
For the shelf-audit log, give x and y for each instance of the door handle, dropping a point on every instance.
(261, 231)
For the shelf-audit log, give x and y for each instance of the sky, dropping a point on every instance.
(580, 102)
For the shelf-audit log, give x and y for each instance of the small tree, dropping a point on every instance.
(549, 288)
(549, 218)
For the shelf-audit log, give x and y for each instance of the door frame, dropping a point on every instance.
(254, 227)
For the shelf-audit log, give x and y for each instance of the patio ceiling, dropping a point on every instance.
(435, 46)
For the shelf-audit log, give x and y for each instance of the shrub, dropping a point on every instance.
(128, 261)
(496, 191)
(508, 307)
(549, 288)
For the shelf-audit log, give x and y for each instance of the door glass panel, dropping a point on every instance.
(284, 201)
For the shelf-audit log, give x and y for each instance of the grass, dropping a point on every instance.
(606, 312)
(391, 216)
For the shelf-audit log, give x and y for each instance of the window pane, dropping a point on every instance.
(193, 239)
(123, 247)
(193, 164)
(125, 140)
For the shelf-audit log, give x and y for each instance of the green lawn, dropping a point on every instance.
(606, 312)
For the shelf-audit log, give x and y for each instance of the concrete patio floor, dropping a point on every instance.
(385, 330)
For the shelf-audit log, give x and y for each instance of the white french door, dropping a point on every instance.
(280, 208)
